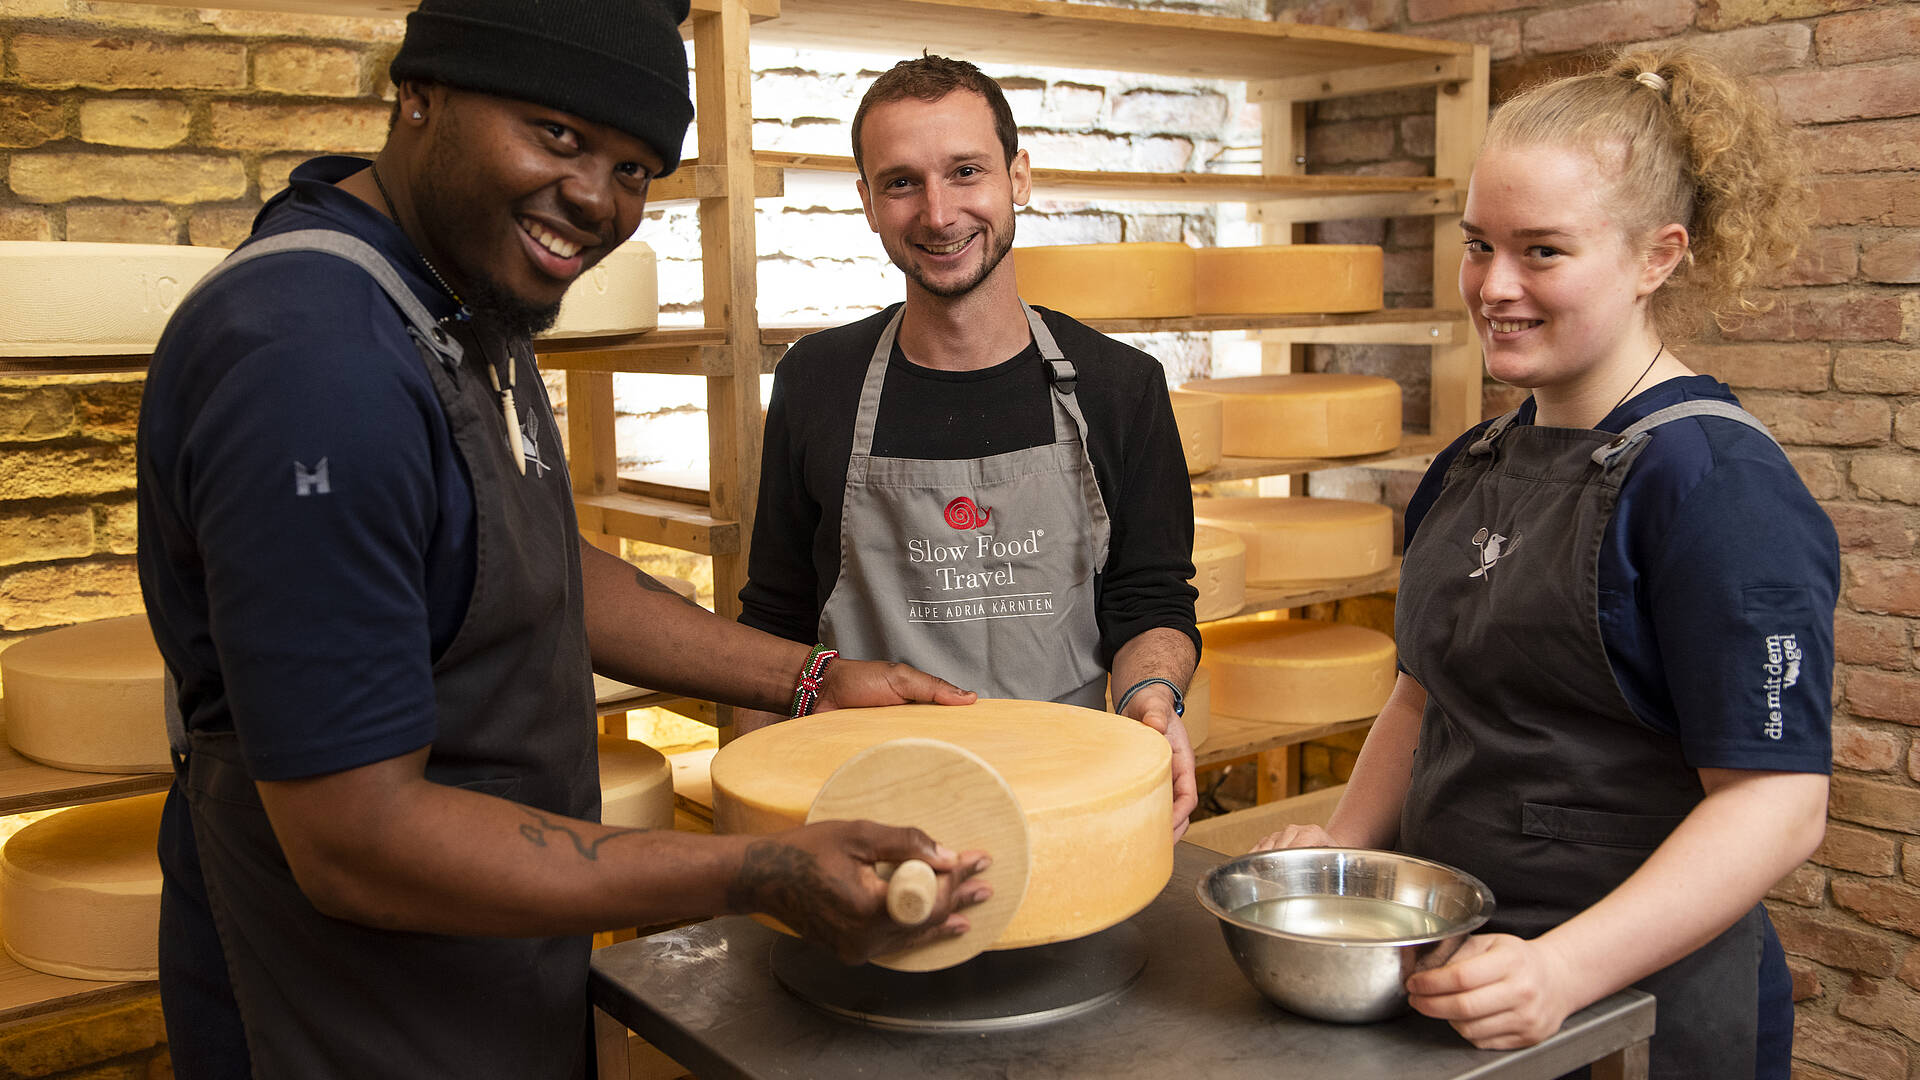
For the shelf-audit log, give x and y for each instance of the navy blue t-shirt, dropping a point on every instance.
(306, 523)
(1718, 579)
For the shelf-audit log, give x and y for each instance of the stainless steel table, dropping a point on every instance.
(705, 995)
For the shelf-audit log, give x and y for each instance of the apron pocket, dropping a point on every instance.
(1644, 831)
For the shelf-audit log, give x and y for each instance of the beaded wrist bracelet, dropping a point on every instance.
(807, 694)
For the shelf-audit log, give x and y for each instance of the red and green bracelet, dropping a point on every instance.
(807, 694)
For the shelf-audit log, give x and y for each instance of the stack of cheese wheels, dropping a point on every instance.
(1219, 572)
(77, 299)
(80, 891)
(1285, 279)
(1199, 706)
(1107, 281)
(620, 295)
(1298, 671)
(1292, 540)
(1198, 416)
(1096, 789)
(89, 698)
(636, 785)
(1305, 415)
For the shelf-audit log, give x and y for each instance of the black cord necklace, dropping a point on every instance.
(431, 269)
(1636, 382)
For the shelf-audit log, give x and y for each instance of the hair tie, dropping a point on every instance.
(1648, 78)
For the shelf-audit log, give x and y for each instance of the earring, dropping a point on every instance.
(416, 114)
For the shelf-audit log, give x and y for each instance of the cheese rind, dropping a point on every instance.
(1305, 415)
(1096, 789)
(619, 295)
(65, 298)
(80, 891)
(1219, 572)
(1303, 540)
(1285, 279)
(1107, 281)
(88, 698)
(1298, 671)
(1198, 418)
(636, 785)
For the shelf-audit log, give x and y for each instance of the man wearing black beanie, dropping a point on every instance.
(381, 849)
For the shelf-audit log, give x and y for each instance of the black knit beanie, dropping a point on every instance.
(614, 62)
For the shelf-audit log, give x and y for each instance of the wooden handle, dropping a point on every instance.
(911, 889)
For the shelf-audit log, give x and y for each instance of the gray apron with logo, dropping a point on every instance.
(326, 998)
(980, 570)
(1532, 772)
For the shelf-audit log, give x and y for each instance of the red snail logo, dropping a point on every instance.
(962, 514)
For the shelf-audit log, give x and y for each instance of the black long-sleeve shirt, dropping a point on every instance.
(931, 414)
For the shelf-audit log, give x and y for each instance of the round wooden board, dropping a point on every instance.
(954, 796)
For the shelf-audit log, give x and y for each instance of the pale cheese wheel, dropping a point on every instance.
(80, 891)
(1197, 416)
(62, 298)
(619, 295)
(1303, 540)
(1287, 279)
(1107, 281)
(1305, 415)
(1219, 572)
(1198, 701)
(1298, 671)
(1096, 789)
(636, 785)
(89, 698)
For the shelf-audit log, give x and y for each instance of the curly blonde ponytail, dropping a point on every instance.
(1693, 145)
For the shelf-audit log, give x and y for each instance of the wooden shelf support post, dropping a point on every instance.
(1460, 121)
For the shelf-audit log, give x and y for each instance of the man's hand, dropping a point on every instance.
(819, 880)
(853, 684)
(1498, 991)
(1153, 706)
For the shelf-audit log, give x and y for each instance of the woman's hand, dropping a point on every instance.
(1297, 836)
(1498, 991)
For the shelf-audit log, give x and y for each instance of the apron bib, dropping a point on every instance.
(980, 570)
(1532, 772)
(326, 998)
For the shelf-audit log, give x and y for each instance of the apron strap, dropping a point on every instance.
(1483, 445)
(1641, 430)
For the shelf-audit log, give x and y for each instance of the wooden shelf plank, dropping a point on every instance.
(1078, 35)
(26, 785)
(1198, 324)
(396, 9)
(1239, 468)
(657, 521)
(26, 993)
(1236, 832)
(1232, 737)
(1285, 597)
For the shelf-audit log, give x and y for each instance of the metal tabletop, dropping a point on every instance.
(705, 995)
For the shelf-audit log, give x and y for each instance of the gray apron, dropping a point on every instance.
(980, 571)
(1532, 772)
(325, 998)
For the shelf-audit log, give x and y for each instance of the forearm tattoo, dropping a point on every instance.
(779, 879)
(649, 582)
(544, 831)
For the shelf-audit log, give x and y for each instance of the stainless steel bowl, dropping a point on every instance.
(1333, 933)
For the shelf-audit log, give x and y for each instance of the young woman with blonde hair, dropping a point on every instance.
(1615, 616)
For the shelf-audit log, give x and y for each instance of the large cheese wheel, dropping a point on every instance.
(1298, 671)
(1305, 415)
(620, 295)
(80, 891)
(1286, 279)
(1292, 540)
(1219, 572)
(1107, 281)
(636, 785)
(88, 697)
(77, 299)
(1198, 418)
(1096, 789)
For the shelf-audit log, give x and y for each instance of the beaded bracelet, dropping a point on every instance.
(807, 694)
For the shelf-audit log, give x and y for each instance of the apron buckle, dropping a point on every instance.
(1063, 375)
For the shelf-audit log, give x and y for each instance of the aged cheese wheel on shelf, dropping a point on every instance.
(620, 295)
(1219, 572)
(88, 698)
(636, 785)
(1107, 281)
(80, 891)
(63, 298)
(1305, 415)
(1299, 540)
(1096, 789)
(1287, 279)
(1298, 671)
(1198, 416)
